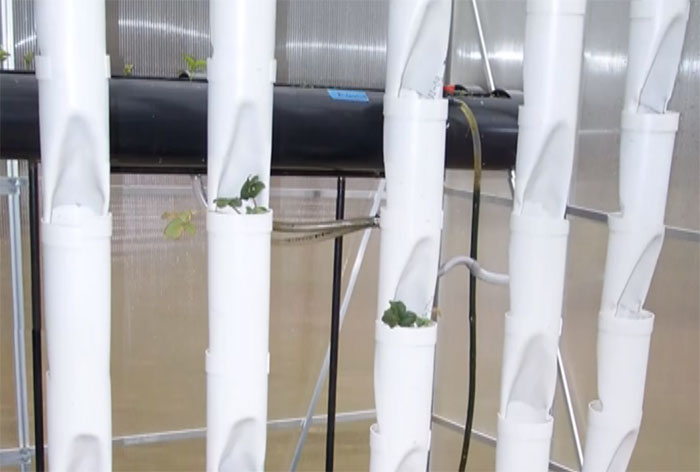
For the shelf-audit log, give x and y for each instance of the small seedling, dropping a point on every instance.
(193, 65)
(249, 191)
(179, 223)
(398, 315)
(128, 70)
(3, 55)
(28, 58)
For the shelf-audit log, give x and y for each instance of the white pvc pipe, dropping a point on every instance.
(636, 233)
(414, 145)
(241, 73)
(539, 232)
(76, 228)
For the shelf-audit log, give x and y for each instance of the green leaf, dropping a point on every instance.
(174, 229)
(189, 60)
(407, 320)
(190, 228)
(222, 202)
(251, 187)
(185, 216)
(255, 210)
(3, 55)
(128, 70)
(28, 58)
(228, 202)
(198, 65)
(398, 306)
(421, 322)
(390, 318)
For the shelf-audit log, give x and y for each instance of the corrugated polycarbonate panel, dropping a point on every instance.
(595, 180)
(25, 33)
(503, 23)
(155, 34)
(332, 42)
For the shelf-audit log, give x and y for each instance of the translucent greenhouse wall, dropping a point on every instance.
(159, 291)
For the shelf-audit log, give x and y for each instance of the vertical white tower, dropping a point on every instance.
(73, 72)
(657, 30)
(241, 74)
(415, 117)
(539, 232)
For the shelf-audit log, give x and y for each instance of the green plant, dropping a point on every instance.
(128, 70)
(3, 55)
(194, 65)
(249, 191)
(398, 315)
(28, 58)
(179, 223)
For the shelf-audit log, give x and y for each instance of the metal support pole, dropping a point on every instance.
(482, 47)
(18, 315)
(38, 373)
(570, 408)
(335, 326)
(349, 290)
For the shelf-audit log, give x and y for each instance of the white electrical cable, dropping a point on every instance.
(474, 267)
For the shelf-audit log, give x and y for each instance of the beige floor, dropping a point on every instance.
(159, 336)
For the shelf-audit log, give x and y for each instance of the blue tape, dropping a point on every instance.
(348, 95)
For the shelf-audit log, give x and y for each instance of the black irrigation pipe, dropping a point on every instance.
(160, 126)
(37, 377)
(335, 326)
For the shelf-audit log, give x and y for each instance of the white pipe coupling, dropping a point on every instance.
(403, 378)
(77, 303)
(614, 419)
(238, 354)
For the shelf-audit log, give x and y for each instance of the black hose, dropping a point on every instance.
(37, 371)
(476, 201)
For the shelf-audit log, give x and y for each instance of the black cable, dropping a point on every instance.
(335, 328)
(37, 372)
(476, 201)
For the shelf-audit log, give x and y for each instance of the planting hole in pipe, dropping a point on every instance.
(243, 148)
(637, 286)
(424, 69)
(78, 182)
(532, 389)
(545, 182)
(241, 439)
(411, 288)
(658, 85)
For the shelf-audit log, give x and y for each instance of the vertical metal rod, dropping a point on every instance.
(349, 290)
(482, 46)
(18, 315)
(37, 370)
(570, 408)
(335, 326)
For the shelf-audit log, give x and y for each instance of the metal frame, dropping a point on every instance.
(20, 362)
(23, 454)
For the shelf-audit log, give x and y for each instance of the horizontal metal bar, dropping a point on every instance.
(488, 439)
(14, 456)
(673, 232)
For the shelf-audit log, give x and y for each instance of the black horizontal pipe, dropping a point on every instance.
(160, 126)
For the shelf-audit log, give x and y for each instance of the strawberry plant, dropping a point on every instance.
(398, 315)
(252, 187)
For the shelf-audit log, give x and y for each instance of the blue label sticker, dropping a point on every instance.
(348, 95)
